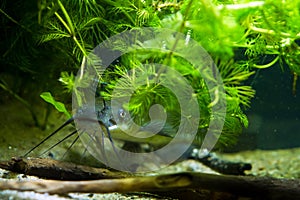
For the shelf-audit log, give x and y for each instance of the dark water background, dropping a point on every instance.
(274, 116)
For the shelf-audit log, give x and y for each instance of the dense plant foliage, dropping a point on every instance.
(49, 39)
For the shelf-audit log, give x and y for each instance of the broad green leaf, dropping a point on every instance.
(47, 96)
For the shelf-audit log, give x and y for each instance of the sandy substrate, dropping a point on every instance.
(281, 163)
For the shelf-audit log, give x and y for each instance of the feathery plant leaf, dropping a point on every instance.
(54, 36)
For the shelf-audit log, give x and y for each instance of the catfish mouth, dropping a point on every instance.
(112, 122)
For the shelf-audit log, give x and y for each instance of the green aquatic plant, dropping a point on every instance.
(272, 35)
(47, 96)
(59, 35)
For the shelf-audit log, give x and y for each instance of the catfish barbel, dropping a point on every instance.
(113, 132)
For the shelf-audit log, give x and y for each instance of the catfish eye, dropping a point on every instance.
(122, 113)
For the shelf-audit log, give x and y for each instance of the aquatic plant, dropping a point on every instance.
(50, 41)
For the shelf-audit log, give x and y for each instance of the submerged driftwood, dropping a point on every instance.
(58, 170)
(245, 186)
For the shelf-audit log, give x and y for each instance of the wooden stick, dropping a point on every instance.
(58, 170)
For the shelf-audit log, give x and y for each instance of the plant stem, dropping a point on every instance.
(23, 101)
(63, 22)
(270, 64)
(69, 21)
(14, 21)
(269, 32)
